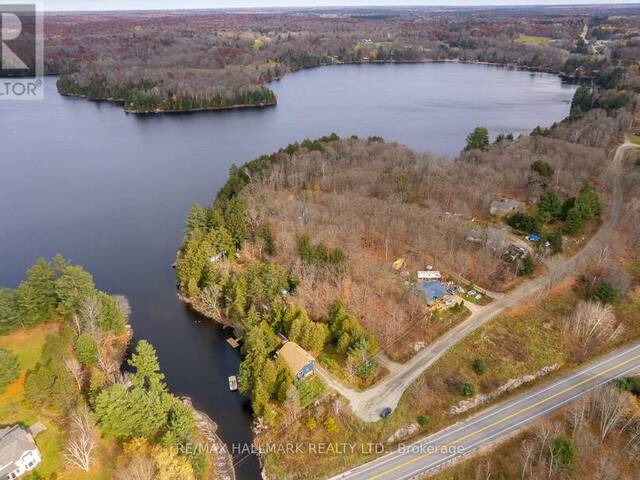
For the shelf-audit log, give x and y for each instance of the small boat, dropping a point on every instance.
(233, 342)
(233, 383)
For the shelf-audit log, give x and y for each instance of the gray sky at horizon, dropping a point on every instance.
(92, 5)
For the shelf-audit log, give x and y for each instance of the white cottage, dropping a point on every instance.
(19, 453)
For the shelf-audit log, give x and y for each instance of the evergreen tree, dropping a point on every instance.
(284, 380)
(528, 265)
(549, 206)
(111, 317)
(9, 369)
(49, 384)
(124, 414)
(543, 168)
(72, 286)
(582, 102)
(236, 221)
(605, 293)
(36, 296)
(147, 374)
(9, 314)
(87, 350)
(180, 422)
(478, 139)
(564, 453)
(197, 218)
(253, 364)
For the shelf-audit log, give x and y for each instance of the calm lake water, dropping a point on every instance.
(111, 191)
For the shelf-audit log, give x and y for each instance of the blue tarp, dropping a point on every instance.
(433, 290)
(534, 237)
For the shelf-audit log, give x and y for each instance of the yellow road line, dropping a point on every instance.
(508, 417)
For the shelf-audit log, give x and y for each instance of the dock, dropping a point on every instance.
(233, 342)
(233, 383)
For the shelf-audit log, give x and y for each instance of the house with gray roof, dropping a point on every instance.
(19, 453)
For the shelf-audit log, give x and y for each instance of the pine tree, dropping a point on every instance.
(180, 421)
(549, 206)
(9, 313)
(284, 380)
(49, 384)
(235, 220)
(197, 218)
(147, 375)
(87, 350)
(72, 286)
(111, 317)
(478, 139)
(36, 296)
(9, 369)
(124, 414)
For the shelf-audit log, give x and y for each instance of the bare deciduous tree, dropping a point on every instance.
(610, 406)
(591, 322)
(210, 298)
(139, 468)
(90, 311)
(123, 306)
(82, 442)
(526, 454)
(75, 369)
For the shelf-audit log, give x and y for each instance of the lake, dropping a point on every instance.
(111, 191)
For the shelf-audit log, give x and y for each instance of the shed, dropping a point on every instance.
(299, 361)
(429, 275)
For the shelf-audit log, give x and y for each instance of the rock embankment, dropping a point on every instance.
(222, 465)
(510, 385)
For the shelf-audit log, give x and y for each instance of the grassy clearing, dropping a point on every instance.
(533, 40)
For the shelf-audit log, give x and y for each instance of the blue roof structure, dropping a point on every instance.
(433, 290)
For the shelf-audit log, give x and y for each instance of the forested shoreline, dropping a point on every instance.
(207, 61)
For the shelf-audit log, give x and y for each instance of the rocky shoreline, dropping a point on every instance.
(222, 464)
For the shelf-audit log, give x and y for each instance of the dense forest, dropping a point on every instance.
(210, 60)
(99, 419)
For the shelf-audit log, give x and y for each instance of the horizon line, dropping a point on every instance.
(356, 6)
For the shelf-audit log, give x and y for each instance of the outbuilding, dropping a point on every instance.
(427, 275)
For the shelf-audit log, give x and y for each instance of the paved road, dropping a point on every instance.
(368, 404)
(490, 425)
